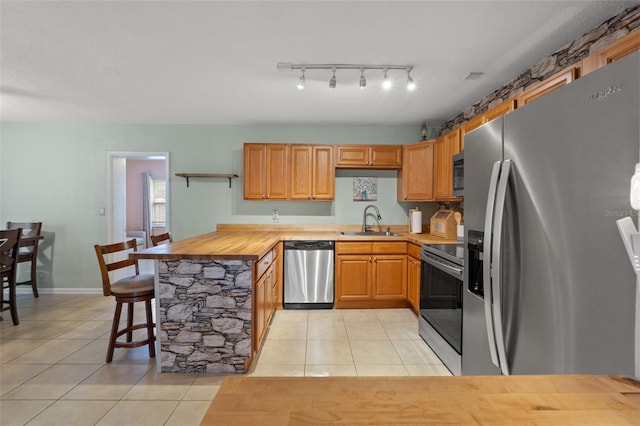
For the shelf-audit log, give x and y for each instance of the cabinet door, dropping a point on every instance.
(385, 155)
(413, 283)
(499, 110)
(260, 299)
(441, 153)
(352, 155)
(255, 171)
(276, 172)
(353, 277)
(301, 175)
(324, 175)
(549, 85)
(390, 277)
(415, 179)
(616, 50)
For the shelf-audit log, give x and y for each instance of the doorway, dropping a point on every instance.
(126, 197)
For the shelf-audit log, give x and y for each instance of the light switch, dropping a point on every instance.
(276, 216)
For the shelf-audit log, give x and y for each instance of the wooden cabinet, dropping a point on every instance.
(499, 110)
(445, 148)
(369, 156)
(371, 275)
(616, 50)
(312, 173)
(265, 299)
(413, 276)
(265, 172)
(552, 83)
(415, 178)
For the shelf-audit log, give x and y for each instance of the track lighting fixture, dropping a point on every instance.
(386, 80)
(411, 85)
(386, 83)
(301, 81)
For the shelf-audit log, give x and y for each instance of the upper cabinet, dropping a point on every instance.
(415, 179)
(369, 156)
(552, 83)
(312, 175)
(616, 50)
(445, 148)
(265, 172)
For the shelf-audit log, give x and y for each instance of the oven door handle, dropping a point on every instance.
(454, 272)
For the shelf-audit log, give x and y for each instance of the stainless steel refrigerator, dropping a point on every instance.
(548, 287)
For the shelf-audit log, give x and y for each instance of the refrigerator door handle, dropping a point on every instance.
(486, 272)
(496, 267)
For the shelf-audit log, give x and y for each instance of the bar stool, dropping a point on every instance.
(9, 248)
(165, 238)
(129, 290)
(29, 249)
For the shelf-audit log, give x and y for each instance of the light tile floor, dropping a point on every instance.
(52, 369)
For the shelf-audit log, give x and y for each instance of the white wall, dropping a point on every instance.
(68, 185)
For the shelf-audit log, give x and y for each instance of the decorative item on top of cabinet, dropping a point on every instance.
(368, 156)
(445, 148)
(415, 178)
(312, 172)
(265, 171)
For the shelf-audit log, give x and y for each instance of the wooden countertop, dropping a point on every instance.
(465, 400)
(250, 242)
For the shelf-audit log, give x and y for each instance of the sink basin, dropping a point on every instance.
(369, 234)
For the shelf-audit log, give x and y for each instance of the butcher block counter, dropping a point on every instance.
(470, 400)
(208, 317)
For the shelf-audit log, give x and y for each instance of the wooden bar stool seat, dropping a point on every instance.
(129, 290)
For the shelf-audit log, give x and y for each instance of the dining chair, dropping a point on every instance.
(9, 247)
(130, 289)
(164, 238)
(29, 249)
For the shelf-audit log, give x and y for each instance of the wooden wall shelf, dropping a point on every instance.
(207, 175)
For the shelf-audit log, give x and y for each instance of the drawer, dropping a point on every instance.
(389, 248)
(413, 250)
(353, 247)
(264, 263)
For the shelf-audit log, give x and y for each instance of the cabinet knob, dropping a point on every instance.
(369, 259)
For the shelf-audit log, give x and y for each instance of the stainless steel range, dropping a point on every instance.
(441, 301)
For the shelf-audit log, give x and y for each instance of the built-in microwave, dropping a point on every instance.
(458, 175)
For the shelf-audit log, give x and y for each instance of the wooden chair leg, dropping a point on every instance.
(150, 335)
(114, 331)
(130, 322)
(13, 303)
(34, 274)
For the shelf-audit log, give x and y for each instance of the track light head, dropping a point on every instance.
(301, 82)
(332, 82)
(386, 82)
(363, 81)
(411, 85)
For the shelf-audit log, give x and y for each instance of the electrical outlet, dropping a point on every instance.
(276, 216)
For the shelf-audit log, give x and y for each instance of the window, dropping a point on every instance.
(159, 203)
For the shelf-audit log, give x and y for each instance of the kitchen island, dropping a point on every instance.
(207, 315)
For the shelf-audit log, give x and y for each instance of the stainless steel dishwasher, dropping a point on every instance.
(308, 274)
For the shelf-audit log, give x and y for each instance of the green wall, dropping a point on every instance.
(57, 174)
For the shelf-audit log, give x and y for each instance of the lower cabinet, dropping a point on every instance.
(371, 275)
(413, 277)
(265, 300)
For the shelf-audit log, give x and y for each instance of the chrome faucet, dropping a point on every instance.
(365, 227)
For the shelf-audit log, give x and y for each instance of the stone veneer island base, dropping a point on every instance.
(204, 317)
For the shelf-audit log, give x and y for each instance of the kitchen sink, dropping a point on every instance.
(369, 234)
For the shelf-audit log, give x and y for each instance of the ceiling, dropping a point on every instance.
(214, 62)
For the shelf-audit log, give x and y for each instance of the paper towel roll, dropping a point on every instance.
(416, 222)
